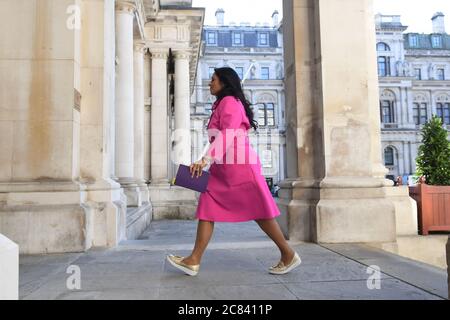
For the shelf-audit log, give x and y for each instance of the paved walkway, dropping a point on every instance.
(234, 267)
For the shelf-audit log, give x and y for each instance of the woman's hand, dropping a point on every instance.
(197, 167)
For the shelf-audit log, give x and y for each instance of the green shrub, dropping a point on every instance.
(433, 160)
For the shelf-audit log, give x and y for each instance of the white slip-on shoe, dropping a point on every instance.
(177, 262)
(280, 268)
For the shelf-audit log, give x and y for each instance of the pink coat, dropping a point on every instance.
(237, 191)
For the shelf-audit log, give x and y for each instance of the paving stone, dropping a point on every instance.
(235, 266)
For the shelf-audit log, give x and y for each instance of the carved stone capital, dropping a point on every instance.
(140, 47)
(182, 55)
(125, 7)
(159, 54)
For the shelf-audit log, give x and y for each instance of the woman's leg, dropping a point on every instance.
(272, 229)
(204, 232)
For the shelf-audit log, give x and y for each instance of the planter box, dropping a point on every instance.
(433, 207)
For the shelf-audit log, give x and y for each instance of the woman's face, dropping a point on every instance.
(215, 86)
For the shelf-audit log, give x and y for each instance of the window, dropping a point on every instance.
(443, 112)
(263, 39)
(387, 111)
(208, 108)
(211, 72)
(381, 46)
(265, 73)
(418, 73)
(266, 115)
(436, 41)
(211, 38)
(413, 41)
(261, 115)
(237, 38)
(420, 114)
(270, 113)
(383, 66)
(240, 72)
(266, 159)
(389, 156)
(440, 74)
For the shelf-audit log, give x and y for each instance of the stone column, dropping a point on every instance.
(199, 83)
(432, 109)
(97, 107)
(44, 206)
(159, 119)
(336, 191)
(147, 118)
(182, 134)
(139, 116)
(404, 106)
(410, 96)
(400, 158)
(125, 102)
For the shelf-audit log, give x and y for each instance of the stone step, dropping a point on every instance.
(428, 249)
(179, 210)
(138, 220)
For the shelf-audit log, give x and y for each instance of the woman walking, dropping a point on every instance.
(236, 191)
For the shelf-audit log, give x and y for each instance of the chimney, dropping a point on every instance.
(438, 22)
(275, 18)
(220, 17)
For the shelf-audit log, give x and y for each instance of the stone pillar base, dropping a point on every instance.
(143, 190)
(109, 205)
(172, 202)
(59, 217)
(138, 220)
(344, 210)
(132, 189)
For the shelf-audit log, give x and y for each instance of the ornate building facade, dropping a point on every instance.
(414, 78)
(255, 52)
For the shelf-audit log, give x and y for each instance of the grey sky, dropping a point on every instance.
(415, 13)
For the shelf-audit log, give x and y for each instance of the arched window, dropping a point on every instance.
(389, 156)
(387, 107)
(384, 68)
(381, 46)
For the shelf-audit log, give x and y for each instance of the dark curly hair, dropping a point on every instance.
(232, 87)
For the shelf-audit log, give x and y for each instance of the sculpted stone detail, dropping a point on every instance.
(159, 54)
(125, 7)
(182, 55)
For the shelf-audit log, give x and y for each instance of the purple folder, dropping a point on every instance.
(184, 179)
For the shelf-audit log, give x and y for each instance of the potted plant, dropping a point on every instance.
(432, 193)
